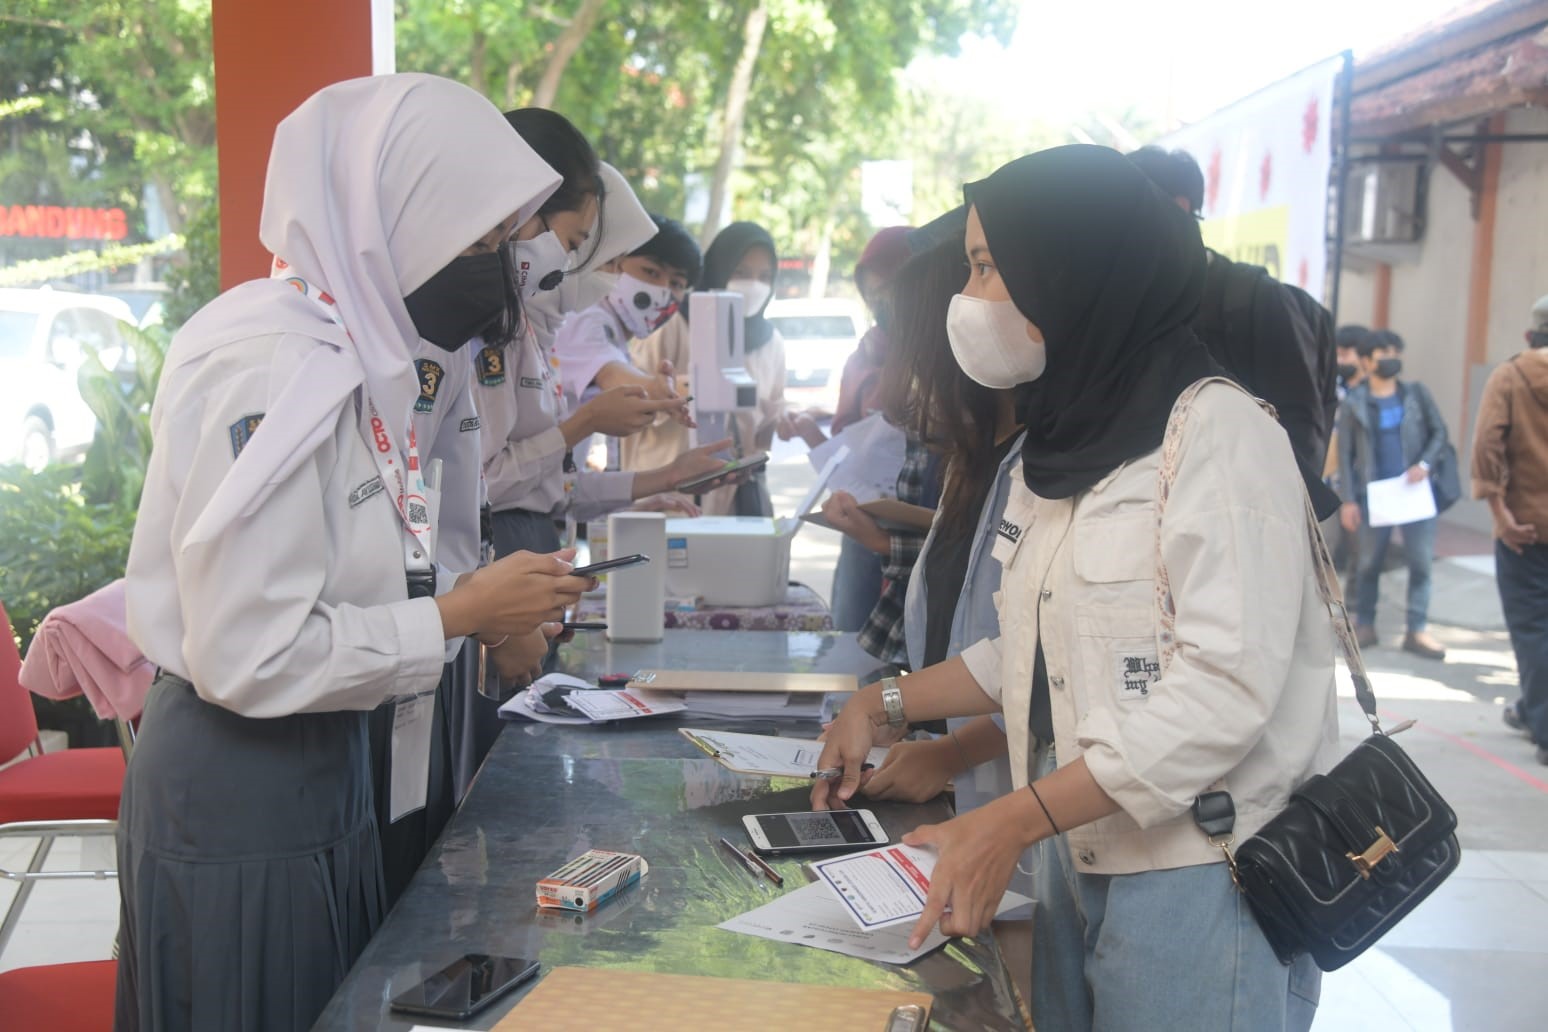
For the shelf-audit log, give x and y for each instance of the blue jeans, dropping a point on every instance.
(1523, 583)
(1158, 951)
(857, 581)
(1419, 548)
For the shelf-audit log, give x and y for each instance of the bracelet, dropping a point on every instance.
(497, 644)
(1051, 824)
(966, 766)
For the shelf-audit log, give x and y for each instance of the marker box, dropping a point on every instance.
(590, 880)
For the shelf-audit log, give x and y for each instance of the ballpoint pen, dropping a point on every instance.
(768, 872)
(747, 861)
(832, 773)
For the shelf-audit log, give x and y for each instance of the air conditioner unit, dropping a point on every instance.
(1384, 201)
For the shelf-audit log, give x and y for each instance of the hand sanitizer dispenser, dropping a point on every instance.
(718, 379)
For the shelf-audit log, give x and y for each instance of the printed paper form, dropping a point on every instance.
(764, 754)
(811, 916)
(1394, 501)
(880, 887)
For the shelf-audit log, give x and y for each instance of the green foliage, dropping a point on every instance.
(114, 471)
(195, 280)
(55, 547)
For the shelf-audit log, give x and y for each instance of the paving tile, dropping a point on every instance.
(1465, 990)
(1522, 865)
(1476, 914)
(1350, 1001)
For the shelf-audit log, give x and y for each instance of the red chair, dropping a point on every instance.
(47, 795)
(59, 997)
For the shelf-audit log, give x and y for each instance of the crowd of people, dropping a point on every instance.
(1115, 608)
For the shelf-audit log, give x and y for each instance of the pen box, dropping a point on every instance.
(590, 880)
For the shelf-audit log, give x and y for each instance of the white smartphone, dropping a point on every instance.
(813, 831)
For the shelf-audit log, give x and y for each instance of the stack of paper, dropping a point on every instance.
(752, 705)
(588, 705)
(764, 754)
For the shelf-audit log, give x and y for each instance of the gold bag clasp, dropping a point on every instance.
(1377, 852)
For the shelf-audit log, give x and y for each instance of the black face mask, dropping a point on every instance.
(1387, 368)
(1347, 371)
(1537, 338)
(474, 295)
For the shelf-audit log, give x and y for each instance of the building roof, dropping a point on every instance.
(1482, 57)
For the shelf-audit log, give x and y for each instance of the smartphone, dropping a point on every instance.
(813, 831)
(751, 464)
(584, 625)
(608, 565)
(464, 987)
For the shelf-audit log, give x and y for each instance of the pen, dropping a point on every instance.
(768, 872)
(831, 773)
(746, 860)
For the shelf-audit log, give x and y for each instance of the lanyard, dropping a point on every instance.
(400, 474)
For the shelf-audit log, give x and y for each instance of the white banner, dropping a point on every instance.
(1267, 160)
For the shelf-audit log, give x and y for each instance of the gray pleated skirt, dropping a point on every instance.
(249, 865)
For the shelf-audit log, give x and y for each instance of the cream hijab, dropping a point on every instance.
(373, 186)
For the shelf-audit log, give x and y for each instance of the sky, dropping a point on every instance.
(1178, 58)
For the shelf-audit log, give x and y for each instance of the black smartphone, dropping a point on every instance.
(751, 464)
(608, 565)
(465, 986)
(584, 625)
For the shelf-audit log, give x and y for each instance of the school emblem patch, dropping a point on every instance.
(430, 376)
(470, 423)
(370, 489)
(242, 431)
(491, 366)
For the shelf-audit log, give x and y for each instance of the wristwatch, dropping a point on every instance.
(892, 702)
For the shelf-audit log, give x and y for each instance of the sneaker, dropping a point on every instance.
(1512, 717)
(1365, 636)
(1421, 644)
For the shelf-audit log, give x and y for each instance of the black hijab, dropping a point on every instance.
(1112, 273)
(720, 261)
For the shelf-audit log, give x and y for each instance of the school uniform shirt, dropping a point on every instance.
(587, 341)
(446, 426)
(300, 606)
(520, 403)
(1248, 698)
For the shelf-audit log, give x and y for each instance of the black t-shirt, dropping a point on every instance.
(945, 569)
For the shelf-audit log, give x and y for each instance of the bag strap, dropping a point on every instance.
(1327, 580)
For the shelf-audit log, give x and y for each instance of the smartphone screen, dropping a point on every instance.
(609, 564)
(753, 463)
(466, 986)
(830, 829)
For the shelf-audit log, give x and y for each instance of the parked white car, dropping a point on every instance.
(820, 335)
(45, 336)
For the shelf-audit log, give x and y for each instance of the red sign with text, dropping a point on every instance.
(50, 222)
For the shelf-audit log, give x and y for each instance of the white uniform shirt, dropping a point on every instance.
(587, 341)
(520, 406)
(446, 425)
(301, 606)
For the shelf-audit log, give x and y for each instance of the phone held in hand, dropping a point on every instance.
(609, 565)
(465, 986)
(740, 468)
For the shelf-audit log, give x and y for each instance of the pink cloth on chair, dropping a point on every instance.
(84, 647)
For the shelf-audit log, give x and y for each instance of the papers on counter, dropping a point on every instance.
(881, 887)
(870, 470)
(812, 916)
(763, 754)
(591, 705)
(1394, 501)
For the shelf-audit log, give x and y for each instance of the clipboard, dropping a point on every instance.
(742, 681)
(586, 999)
(889, 513)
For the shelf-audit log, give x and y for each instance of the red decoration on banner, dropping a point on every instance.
(55, 223)
(1303, 274)
(1309, 122)
(1265, 175)
(1212, 185)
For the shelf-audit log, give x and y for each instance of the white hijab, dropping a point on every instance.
(625, 225)
(373, 186)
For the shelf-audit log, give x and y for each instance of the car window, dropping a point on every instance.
(812, 327)
(64, 339)
(16, 329)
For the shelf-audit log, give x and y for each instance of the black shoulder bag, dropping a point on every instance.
(1355, 849)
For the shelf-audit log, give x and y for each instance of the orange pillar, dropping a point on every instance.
(269, 57)
(1481, 276)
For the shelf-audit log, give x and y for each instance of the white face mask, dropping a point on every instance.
(640, 306)
(989, 340)
(581, 290)
(755, 294)
(540, 263)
